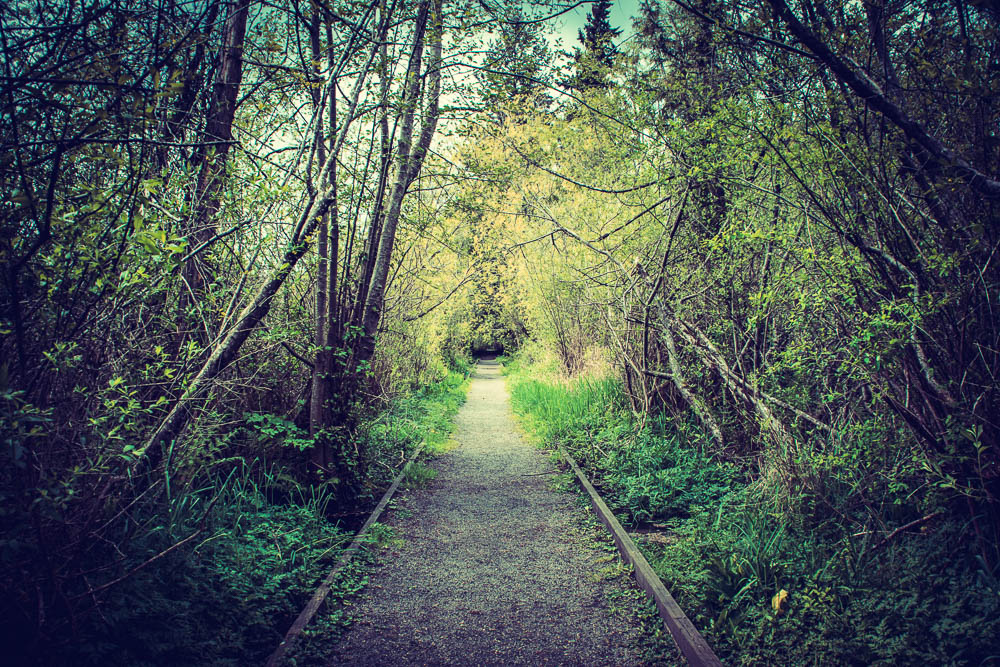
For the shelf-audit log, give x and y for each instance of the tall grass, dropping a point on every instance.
(260, 542)
(769, 580)
(227, 596)
(424, 416)
(560, 411)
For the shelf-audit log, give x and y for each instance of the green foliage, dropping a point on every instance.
(723, 223)
(514, 72)
(272, 429)
(423, 416)
(458, 362)
(257, 541)
(333, 618)
(228, 598)
(730, 544)
(597, 38)
(663, 472)
(20, 424)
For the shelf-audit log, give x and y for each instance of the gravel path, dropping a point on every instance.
(492, 568)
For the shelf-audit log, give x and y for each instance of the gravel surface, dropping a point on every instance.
(492, 568)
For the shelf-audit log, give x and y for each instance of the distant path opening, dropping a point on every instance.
(492, 569)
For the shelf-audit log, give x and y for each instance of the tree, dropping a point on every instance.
(410, 155)
(515, 70)
(210, 159)
(597, 56)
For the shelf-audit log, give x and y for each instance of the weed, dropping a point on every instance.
(563, 481)
(383, 536)
(612, 570)
(417, 475)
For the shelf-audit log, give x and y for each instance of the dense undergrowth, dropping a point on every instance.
(768, 578)
(219, 566)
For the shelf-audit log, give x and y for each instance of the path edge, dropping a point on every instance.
(309, 611)
(690, 642)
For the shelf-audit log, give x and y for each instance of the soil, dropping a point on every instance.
(492, 567)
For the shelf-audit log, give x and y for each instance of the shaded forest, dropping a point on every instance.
(740, 255)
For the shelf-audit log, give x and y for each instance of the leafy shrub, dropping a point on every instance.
(229, 598)
(769, 577)
(215, 566)
(272, 429)
(385, 441)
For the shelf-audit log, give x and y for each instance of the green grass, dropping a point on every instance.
(228, 596)
(417, 475)
(425, 416)
(733, 541)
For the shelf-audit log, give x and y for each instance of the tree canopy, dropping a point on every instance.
(236, 232)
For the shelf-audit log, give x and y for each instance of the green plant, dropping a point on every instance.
(853, 594)
(271, 429)
(383, 536)
(417, 475)
(225, 599)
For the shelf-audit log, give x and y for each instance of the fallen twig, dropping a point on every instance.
(905, 527)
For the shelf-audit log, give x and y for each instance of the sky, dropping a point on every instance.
(622, 12)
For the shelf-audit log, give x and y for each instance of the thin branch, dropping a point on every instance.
(862, 85)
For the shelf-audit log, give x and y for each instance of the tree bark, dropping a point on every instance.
(371, 243)
(701, 410)
(410, 161)
(214, 152)
(212, 155)
(174, 127)
(321, 366)
(869, 91)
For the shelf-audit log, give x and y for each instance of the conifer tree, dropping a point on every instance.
(597, 38)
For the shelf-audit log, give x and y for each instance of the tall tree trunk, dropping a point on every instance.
(411, 159)
(385, 164)
(177, 117)
(212, 155)
(322, 376)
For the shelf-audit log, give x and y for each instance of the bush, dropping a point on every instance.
(773, 576)
(227, 597)
(212, 565)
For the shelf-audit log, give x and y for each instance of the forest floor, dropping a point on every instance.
(492, 566)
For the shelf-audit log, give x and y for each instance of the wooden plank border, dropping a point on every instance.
(309, 611)
(690, 642)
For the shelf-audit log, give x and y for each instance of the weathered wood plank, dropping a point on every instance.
(690, 642)
(309, 611)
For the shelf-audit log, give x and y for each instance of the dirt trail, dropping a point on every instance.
(492, 569)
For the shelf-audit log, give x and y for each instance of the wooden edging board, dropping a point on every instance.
(690, 642)
(309, 611)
